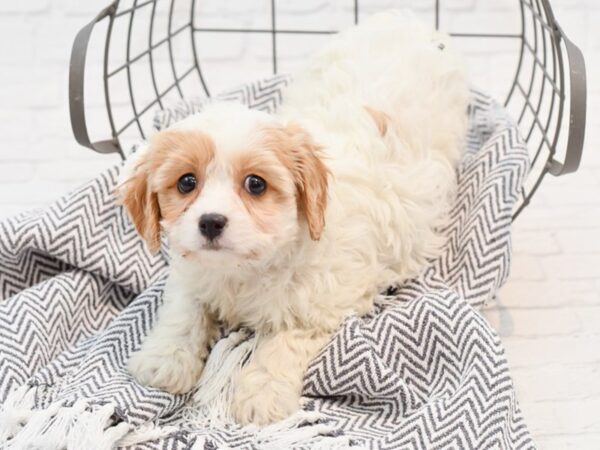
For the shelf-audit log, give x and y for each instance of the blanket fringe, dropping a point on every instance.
(86, 426)
(210, 404)
(58, 426)
(15, 411)
(93, 430)
(303, 428)
(299, 428)
(145, 433)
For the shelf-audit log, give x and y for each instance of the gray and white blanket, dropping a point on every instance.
(79, 290)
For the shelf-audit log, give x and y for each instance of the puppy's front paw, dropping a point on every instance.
(261, 399)
(176, 372)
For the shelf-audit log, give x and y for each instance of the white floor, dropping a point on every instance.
(549, 311)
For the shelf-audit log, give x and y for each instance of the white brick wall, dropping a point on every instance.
(548, 313)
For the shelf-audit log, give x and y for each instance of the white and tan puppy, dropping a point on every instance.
(288, 224)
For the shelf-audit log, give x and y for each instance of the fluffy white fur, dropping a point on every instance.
(391, 184)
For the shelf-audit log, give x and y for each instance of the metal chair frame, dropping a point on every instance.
(553, 57)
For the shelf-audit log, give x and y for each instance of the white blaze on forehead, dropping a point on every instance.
(232, 127)
(218, 195)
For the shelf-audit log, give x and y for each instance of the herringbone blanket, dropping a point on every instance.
(79, 290)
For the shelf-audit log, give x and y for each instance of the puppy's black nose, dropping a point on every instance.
(212, 225)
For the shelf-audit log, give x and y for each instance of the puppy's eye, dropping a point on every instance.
(255, 185)
(187, 183)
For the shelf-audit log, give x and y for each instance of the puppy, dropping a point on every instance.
(288, 224)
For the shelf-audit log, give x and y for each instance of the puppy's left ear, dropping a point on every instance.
(310, 176)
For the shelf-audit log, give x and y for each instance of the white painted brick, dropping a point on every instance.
(21, 7)
(525, 267)
(531, 323)
(37, 193)
(560, 381)
(593, 131)
(458, 5)
(319, 15)
(73, 170)
(502, 68)
(570, 441)
(586, 176)
(15, 123)
(559, 217)
(29, 149)
(50, 123)
(579, 241)
(256, 7)
(572, 195)
(590, 320)
(493, 5)
(572, 267)
(53, 43)
(12, 209)
(17, 172)
(372, 6)
(573, 417)
(593, 35)
(220, 21)
(85, 9)
(535, 243)
(548, 293)
(485, 22)
(294, 8)
(532, 352)
(16, 43)
(36, 87)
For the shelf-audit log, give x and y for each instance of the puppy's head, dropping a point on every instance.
(229, 186)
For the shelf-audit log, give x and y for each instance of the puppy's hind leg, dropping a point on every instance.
(173, 355)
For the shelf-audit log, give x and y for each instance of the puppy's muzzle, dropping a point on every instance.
(212, 225)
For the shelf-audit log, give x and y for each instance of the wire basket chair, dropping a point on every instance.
(161, 42)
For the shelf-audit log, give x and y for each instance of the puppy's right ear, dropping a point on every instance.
(136, 195)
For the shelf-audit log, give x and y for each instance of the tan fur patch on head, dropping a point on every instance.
(382, 120)
(151, 194)
(278, 195)
(302, 156)
(179, 153)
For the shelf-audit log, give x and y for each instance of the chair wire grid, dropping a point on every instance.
(536, 96)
